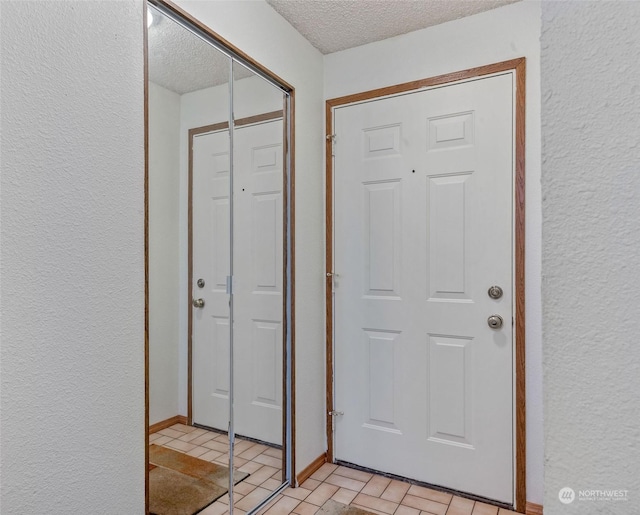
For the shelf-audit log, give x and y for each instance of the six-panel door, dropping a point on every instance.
(258, 265)
(422, 230)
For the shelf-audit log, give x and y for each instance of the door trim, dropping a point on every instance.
(519, 67)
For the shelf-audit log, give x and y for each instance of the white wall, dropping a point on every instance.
(498, 35)
(72, 258)
(255, 28)
(591, 251)
(252, 95)
(164, 183)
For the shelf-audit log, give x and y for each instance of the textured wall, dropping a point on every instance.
(72, 258)
(591, 251)
(164, 182)
(498, 35)
(255, 28)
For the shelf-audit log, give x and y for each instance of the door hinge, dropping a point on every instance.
(335, 413)
(332, 276)
(229, 284)
(331, 138)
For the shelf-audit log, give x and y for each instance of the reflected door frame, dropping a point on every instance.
(288, 116)
(518, 67)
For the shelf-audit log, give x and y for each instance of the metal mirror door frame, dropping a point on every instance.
(236, 56)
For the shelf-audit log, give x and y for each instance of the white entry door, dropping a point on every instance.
(210, 232)
(258, 280)
(422, 230)
(258, 295)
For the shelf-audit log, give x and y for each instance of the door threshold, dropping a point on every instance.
(438, 488)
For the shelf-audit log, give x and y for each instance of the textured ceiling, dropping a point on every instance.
(333, 25)
(182, 62)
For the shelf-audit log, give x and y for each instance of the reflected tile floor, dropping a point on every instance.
(261, 462)
(376, 494)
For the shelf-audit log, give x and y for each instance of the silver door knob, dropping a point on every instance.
(495, 321)
(198, 303)
(495, 292)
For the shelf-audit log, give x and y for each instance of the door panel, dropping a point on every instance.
(446, 236)
(211, 331)
(258, 280)
(258, 292)
(422, 229)
(450, 402)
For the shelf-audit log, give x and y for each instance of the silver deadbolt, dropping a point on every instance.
(200, 283)
(198, 303)
(495, 292)
(495, 321)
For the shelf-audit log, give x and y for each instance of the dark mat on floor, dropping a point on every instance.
(183, 485)
(332, 507)
(200, 469)
(174, 493)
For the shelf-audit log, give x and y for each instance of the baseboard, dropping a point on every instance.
(533, 509)
(311, 468)
(163, 424)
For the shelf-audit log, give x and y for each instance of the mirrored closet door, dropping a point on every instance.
(219, 293)
(258, 289)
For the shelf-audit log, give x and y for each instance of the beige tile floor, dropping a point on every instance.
(371, 492)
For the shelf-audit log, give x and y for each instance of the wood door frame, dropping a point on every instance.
(518, 66)
(288, 115)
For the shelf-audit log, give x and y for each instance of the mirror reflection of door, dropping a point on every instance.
(216, 210)
(258, 259)
(257, 262)
(210, 236)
